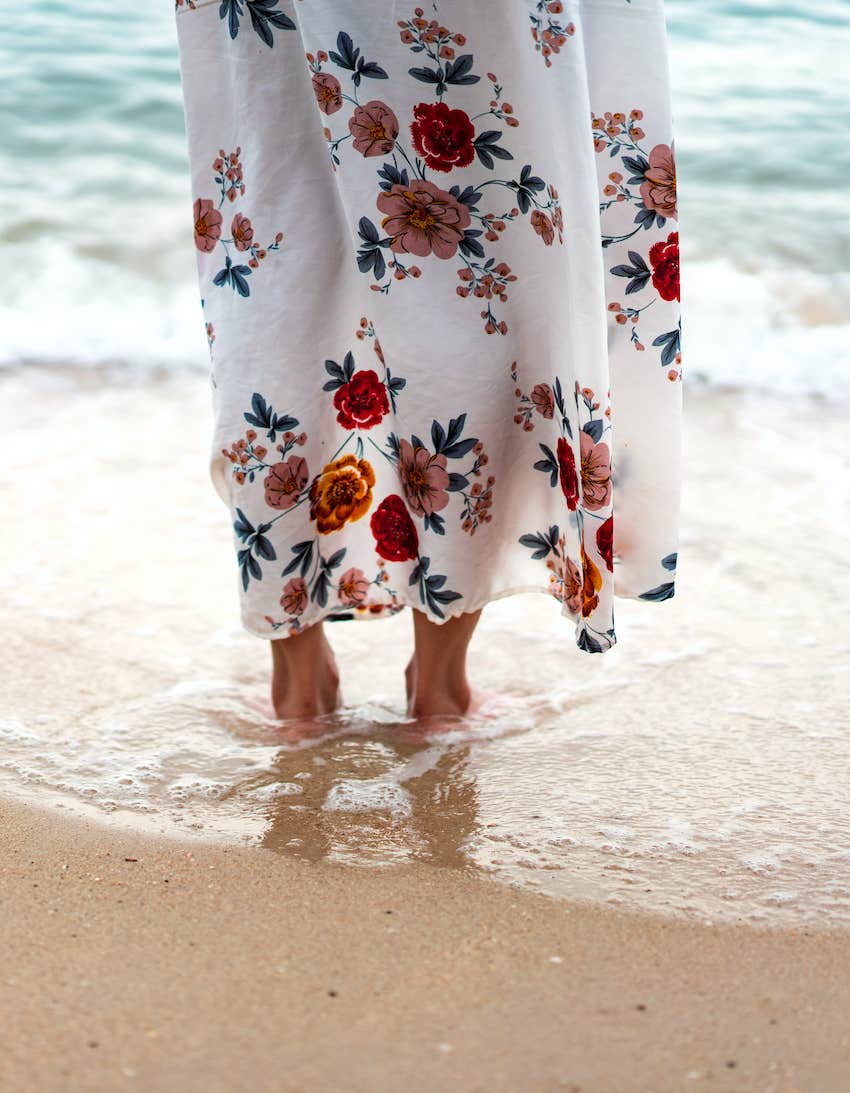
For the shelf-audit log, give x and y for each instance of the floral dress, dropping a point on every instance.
(438, 256)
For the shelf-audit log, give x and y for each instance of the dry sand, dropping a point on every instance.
(138, 963)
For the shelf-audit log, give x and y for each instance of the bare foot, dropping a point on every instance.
(305, 677)
(436, 675)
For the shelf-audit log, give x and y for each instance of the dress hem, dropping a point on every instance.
(368, 612)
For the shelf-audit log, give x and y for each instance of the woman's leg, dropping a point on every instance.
(305, 678)
(436, 675)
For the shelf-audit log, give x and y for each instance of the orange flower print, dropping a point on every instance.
(341, 493)
(591, 583)
(285, 482)
(295, 595)
(353, 586)
(374, 128)
(659, 189)
(422, 219)
(328, 92)
(207, 225)
(595, 473)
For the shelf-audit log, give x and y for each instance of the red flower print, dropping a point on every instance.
(605, 542)
(242, 232)
(394, 531)
(659, 190)
(362, 402)
(543, 226)
(424, 477)
(664, 259)
(442, 136)
(285, 482)
(328, 92)
(353, 586)
(207, 225)
(374, 128)
(567, 473)
(295, 595)
(423, 219)
(595, 473)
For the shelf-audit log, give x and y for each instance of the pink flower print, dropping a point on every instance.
(659, 190)
(328, 92)
(424, 478)
(294, 597)
(595, 473)
(557, 214)
(242, 232)
(543, 226)
(572, 586)
(422, 219)
(543, 400)
(207, 225)
(353, 586)
(285, 482)
(374, 128)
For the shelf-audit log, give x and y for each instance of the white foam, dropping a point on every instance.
(782, 331)
(369, 795)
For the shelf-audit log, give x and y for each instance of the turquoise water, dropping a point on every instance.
(96, 221)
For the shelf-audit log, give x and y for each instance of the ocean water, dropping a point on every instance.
(95, 228)
(699, 768)
(702, 767)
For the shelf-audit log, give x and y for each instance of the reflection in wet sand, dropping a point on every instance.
(385, 799)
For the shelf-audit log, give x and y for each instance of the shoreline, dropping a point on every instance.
(128, 956)
(373, 941)
(700, 766)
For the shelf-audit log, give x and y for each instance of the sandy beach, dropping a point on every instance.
(631, 873)
(138, 963)
(632, 877)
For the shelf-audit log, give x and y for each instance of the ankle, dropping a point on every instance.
(305, 677)
(428, 696)
(300, 694)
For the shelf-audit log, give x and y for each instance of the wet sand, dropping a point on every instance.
(139, 963)
(190, 901)
(702, 767)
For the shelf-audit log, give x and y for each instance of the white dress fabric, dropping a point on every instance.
(438, 256)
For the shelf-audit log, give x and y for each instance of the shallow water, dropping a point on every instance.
(700, 767)
(100, 232)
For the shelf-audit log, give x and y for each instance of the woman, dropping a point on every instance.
(438, 256)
